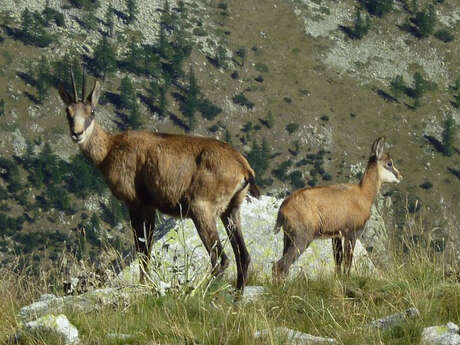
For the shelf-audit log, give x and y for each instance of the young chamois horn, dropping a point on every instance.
(336, 211)
(179, 175)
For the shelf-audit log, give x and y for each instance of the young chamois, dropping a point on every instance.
(334, 211)
(179, 175)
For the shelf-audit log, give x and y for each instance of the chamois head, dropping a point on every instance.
(80, 112)
(386, 169)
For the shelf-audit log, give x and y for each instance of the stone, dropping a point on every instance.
(251, 293)
(180, 258)
(295, 337)
(56, 324)
(393, 320)
(441, 335)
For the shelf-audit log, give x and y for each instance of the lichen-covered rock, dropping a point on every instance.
(50, 304)
(180, 258)
(441, 335)
(394, 319)
(57, 324)
(295, 337)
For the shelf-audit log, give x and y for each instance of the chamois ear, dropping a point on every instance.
(65, 96)
(378, 147)
(93, 96)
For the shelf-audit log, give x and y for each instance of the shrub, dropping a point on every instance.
(261, 67)
(361, 25)
(85, 4)
(444, 35)
(242, 100)
(378, 7)
(297, 179)
(398, 86)
(425, 21)
(2, 107)
(292, 127)
(426, 185)
(281, 171)
(448, 136)
(208, 109)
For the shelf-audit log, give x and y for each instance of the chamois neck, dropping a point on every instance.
(370, 183)
(97, 146)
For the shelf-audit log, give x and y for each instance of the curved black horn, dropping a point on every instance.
(83, 82)
(75, 96)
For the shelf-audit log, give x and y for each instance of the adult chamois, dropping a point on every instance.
(179, 175)
(336, 211)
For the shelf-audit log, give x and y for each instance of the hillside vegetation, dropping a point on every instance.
(301, 87)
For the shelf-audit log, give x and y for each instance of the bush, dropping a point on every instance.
(84, 178)
(2, 107)
(292, 127)
(241, 99)
(444, 35)
(297, 179)
(85, 4)
(426, 185)
(361, 25)
(398, 86)
(208, 110)
(425, 21)
(281, 171)
(378, 7)
(448, 136)
(261, 67)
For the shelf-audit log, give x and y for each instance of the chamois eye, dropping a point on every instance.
(389, 164)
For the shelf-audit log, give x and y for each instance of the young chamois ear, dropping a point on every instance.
(378, 147)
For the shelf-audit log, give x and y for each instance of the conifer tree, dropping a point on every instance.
(105, 61)
(191, 101)
(127, 93)
(132, 10)
(448, 136)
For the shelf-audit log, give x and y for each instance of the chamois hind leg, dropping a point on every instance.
(143, 223)
(294, 246)
(350, 242)
(231, 220)
(205, 224)
(338, 253)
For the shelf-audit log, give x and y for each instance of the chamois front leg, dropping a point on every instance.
(338, 254)
(350, 241)
(143, 223)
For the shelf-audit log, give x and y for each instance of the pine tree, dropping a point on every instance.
(127, 93)
(134, 118)
(190, 105)
(105, 61)
(425, 21)
(109, 19)
(398, 86)
(448, 136)
(361, 27)
(132, 10)
(162, 99)
(2, 107)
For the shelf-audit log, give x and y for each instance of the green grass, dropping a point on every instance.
(340, 308)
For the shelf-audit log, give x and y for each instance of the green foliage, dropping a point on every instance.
(269, 120)
(426, 185)
(127, 93)
(115, 212)
(242, 100)
(83, 177)
(261, 67)
(296, 179)
(133, 10)
(2, 107)
(425, 21)
(421, 86)
(398, 86)
(444, 35)
(208, 109)
(9, 225)
(227, 136)
(43, 78)
(104, 61)
(50, 14)
(221, 56)
(45, 169)
(86, 4)
(33, 29)
(448, 136)
(378, 7)
(191, 100)
(258, 158)
(292, 127)
(109, 19)
(281, 171)
(9, 171)
(361, 25)
(134, 116)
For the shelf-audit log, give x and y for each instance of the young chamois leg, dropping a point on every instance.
(350, 241)
(338, 254)
(295, 244)
(143, 223)
(231, 220)
(205, 224)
